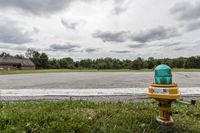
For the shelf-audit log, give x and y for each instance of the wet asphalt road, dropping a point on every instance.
(82, 80)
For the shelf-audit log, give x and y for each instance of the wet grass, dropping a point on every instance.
(86, 117)
(87, 70)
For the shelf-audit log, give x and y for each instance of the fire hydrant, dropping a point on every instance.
(165, 92)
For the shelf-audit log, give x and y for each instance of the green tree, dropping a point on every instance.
(19, 56)
(86, 63)
(67, 63)
(35, 58)
(150, 63)
(126, 64)
(43, 60)
(138, 64)
(116, 64)
(192, 62)
(100, 63)
(4, 54)
(53, 64)
(109, 63)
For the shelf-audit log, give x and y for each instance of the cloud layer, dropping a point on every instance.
(11, 33)
(36, 7)
(63, 47)
(186, 10)
(158, 33)
(101, 28)
(91, 50)
(108, 36)
(148, 35)
(120, 51)
(69, 25)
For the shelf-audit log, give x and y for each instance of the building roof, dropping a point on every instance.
(12, 60)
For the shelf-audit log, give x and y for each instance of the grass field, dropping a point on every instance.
(87, 70)
(86, 117)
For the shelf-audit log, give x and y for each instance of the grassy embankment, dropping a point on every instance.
(86, 117)
(87, 70)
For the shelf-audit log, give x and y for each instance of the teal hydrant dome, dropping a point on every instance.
(163, 74)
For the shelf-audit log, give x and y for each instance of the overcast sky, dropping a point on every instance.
(123, 29)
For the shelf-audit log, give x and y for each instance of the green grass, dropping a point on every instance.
(185, 70)
(69, 70)
(86, 117)
(87, 70)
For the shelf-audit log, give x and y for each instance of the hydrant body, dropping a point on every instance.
(165, 92)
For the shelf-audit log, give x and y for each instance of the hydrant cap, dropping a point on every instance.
(163, 74)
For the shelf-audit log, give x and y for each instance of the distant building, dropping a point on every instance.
(11, 63)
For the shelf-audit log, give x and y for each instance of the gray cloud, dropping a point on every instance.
(170, 44)
(36, 30)
(178, 48)
(63, 47)
(186, 10)
(118, 10)
(197, 42)
(11, 33)
(37, 7)
(120, 6)
(14, 47)
(158, 33)
(148, 35)
(120, 51)
(109, 36)
(69, 25)
(137, 45)
(90, 50)
(193, 26)
(20, 48)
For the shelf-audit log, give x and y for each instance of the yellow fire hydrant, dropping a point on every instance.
(165, 92)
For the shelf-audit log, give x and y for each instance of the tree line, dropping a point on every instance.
(42, 61)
